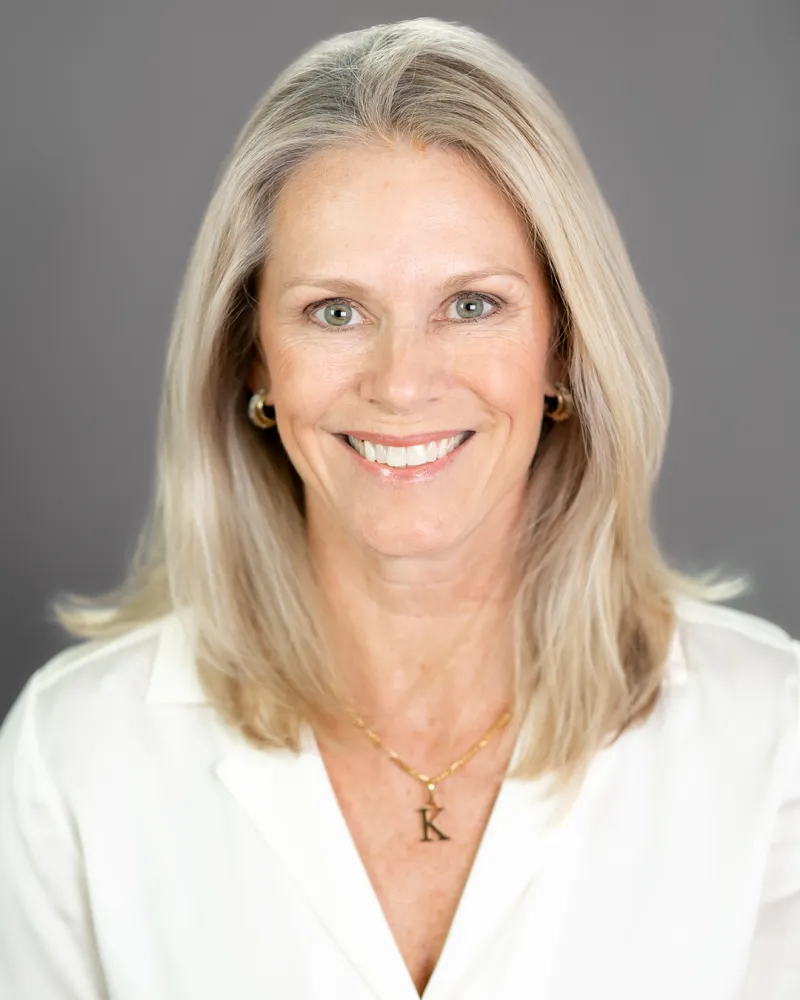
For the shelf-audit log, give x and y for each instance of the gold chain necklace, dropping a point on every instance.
(432, 806)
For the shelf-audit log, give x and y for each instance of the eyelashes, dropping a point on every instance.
(497, 304)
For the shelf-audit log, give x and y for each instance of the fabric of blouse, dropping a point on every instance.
(148, 852)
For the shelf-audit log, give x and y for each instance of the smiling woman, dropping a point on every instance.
(399, 697)
(444, 339)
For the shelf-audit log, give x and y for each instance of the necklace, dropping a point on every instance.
(431, 809)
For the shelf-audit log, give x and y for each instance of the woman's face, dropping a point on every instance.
(406, 325)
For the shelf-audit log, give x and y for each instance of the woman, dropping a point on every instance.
(400, 697)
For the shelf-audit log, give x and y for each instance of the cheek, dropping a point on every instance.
(307, 379)
(510, 378)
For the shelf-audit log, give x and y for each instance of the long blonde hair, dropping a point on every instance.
(225, 540)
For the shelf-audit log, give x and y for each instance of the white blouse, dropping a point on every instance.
(147, 852)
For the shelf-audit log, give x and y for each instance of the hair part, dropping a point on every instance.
(224, 543)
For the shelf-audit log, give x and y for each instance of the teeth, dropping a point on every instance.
(400, 458)
(417, 454)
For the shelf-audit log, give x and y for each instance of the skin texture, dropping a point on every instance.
(416, 570)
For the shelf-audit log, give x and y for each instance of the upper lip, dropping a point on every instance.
(392, 441)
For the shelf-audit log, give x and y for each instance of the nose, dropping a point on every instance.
(404, 369)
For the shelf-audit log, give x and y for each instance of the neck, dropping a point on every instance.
(425, 644)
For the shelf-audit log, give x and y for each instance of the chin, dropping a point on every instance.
(394, 538)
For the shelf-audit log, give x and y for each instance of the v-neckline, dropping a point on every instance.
(292, 802)
(339, 821)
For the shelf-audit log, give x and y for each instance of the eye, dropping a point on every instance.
(338, 313)
(335, 312)
(471, 306)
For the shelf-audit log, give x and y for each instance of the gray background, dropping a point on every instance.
(116, 117)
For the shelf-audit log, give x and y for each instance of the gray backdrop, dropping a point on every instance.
(116, 117)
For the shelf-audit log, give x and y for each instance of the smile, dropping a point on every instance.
(413, 455)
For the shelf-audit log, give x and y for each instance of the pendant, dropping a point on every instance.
(429, 812)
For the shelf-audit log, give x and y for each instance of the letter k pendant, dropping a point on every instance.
(429, 812)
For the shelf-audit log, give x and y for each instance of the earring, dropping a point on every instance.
(255, 410)
(559, 407)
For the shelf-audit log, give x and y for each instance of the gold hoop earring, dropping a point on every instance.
(561, 406)
(255, 411)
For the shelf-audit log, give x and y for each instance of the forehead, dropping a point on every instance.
(400, 199)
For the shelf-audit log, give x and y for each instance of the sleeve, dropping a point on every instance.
(773, 972)
(47, 947)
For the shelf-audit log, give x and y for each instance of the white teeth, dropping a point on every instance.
(399, 458)
(417, 454)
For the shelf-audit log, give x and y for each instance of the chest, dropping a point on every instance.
(417, 858)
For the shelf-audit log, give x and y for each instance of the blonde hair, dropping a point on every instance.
(225, 541)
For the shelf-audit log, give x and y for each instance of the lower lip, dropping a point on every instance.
(412, 473)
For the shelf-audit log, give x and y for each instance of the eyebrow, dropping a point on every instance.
(354, 288)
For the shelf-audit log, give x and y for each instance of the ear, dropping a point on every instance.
(259, 379)
(555, 371)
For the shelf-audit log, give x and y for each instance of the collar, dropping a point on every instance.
(173, 678)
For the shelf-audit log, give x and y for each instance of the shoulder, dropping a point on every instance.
(722, 644)
(98, 673)
(741, 691)
(97, 661)
(707, 615)
(739, 664)
(84, 702)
